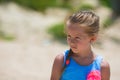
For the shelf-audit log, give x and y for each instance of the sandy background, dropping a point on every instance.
(31, 55)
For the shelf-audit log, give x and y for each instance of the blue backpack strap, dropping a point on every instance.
(65, 57)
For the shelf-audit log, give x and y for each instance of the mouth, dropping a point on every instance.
(73, 47)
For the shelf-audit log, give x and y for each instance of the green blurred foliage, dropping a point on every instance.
(36, 4)
(7, 37)
(57, 31)
(107, 23)
(86, 7)
(113, 4)
(105, 3)
(41, 5)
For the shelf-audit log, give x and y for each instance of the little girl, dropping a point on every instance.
(80, 62)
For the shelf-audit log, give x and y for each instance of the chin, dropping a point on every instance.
(75, 50)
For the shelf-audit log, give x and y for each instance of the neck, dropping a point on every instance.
(84, 59)
(84, 53)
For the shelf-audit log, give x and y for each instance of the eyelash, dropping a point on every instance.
(78, 38)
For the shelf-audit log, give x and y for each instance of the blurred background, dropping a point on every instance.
(31, 35)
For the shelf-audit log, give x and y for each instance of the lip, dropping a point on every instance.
(73, 47)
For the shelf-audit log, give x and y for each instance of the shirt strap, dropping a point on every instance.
(66, 52)
(99, 60)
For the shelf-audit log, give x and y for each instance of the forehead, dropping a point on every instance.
(75, 28)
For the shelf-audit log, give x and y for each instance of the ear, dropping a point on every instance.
(93, 38)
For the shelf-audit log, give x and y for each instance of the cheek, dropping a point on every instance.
(83, 44)
(68, 41)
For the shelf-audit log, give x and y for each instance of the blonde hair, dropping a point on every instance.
(88, 19)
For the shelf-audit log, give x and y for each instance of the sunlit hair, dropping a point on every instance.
(88, 20)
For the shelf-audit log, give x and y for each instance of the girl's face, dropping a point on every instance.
(77, 39)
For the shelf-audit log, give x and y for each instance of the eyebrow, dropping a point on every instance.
(78, 34)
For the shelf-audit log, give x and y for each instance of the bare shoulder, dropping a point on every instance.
(105, 64)
(58, 62)
(59, 58)
(57, 67)
(105, 70)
